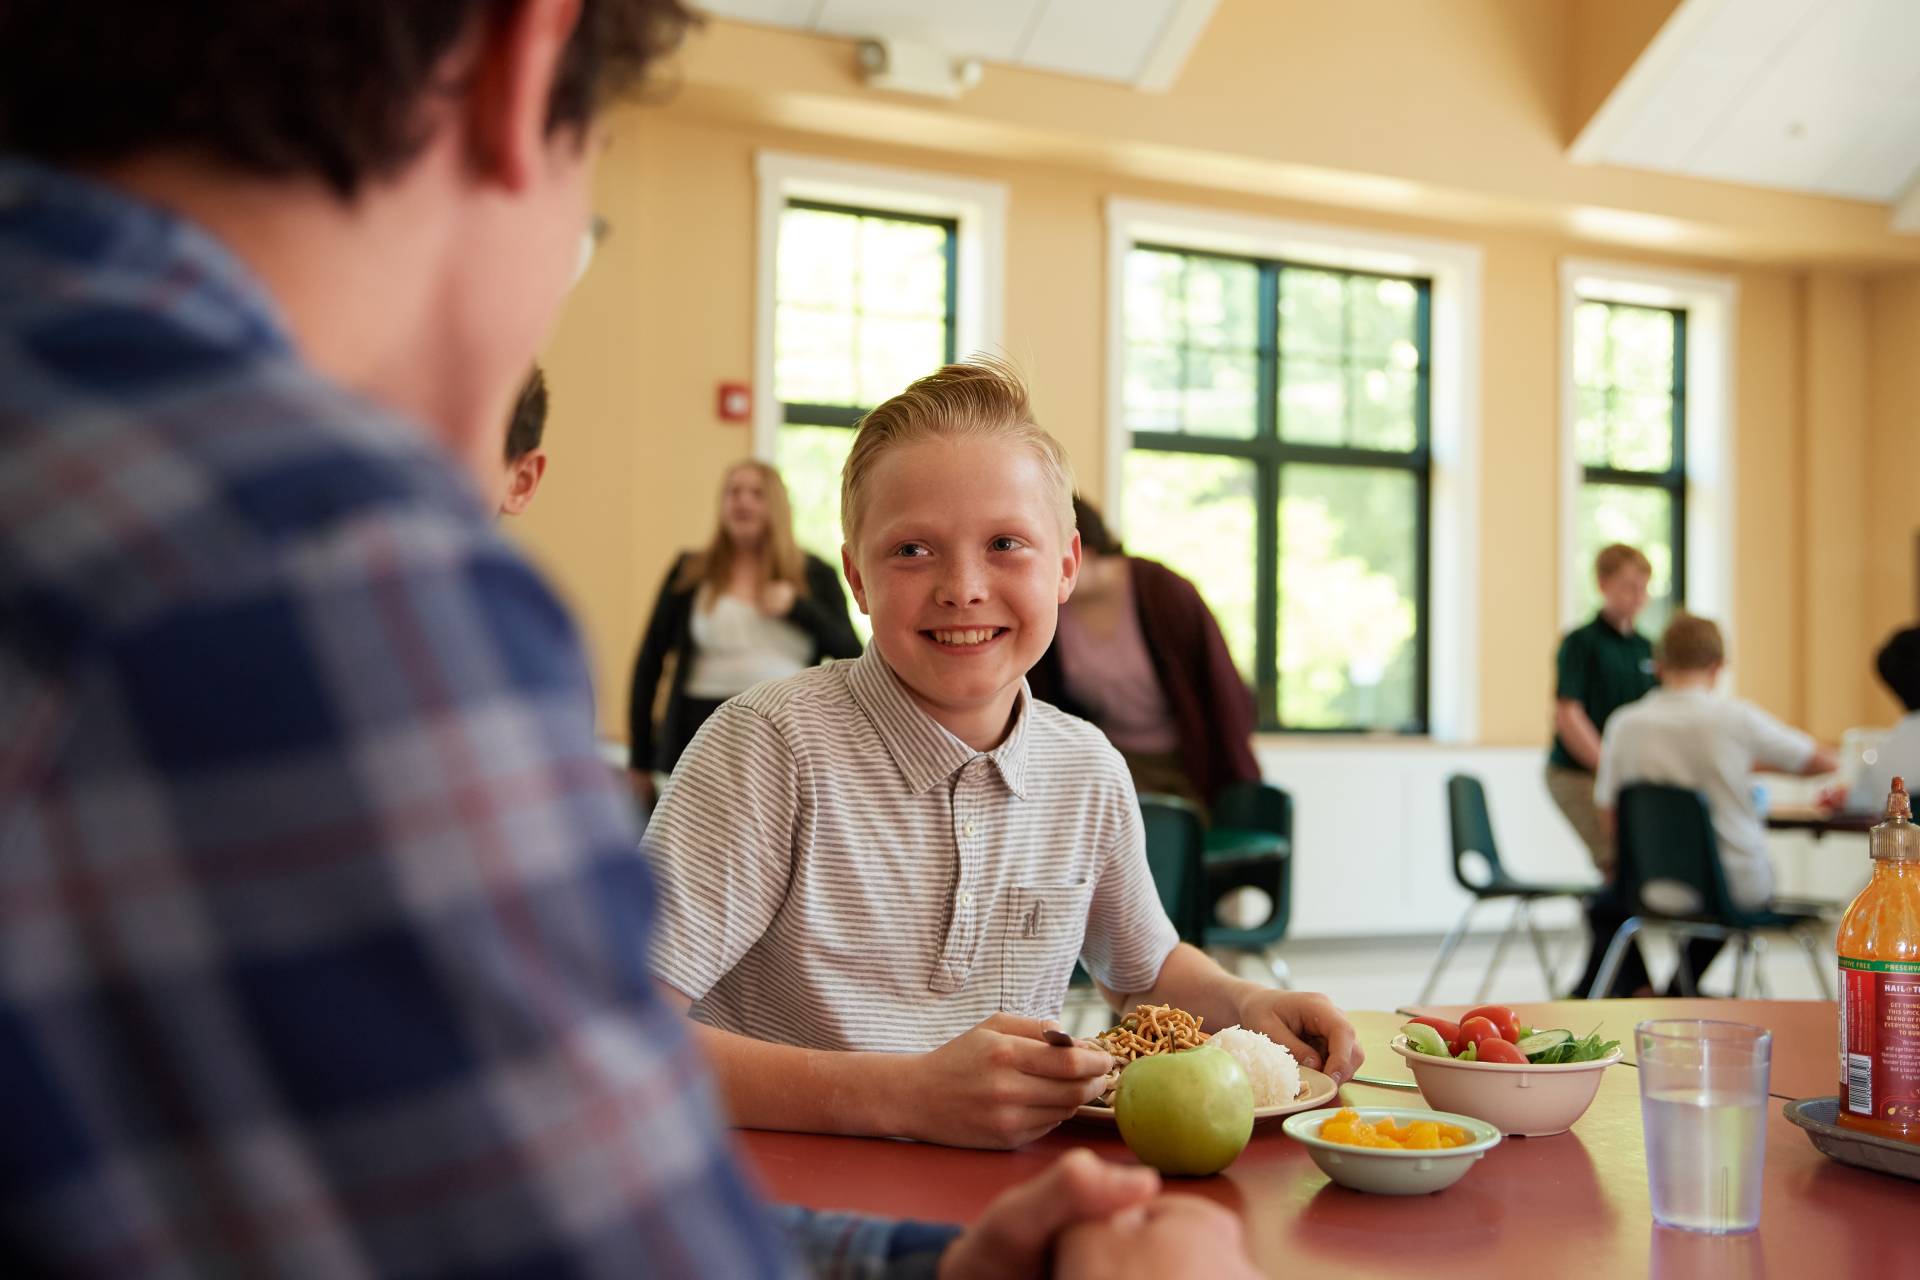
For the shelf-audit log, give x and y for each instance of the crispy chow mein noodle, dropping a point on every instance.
(1152, 1029)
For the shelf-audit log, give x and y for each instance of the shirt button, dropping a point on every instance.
(966, 899)
(968, 829)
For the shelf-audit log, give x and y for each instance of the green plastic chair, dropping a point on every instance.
(1470, 832)
(1665, 838)
(1250, 846)
(1176, 845)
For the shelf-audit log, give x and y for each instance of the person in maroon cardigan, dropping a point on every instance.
(1139, 654)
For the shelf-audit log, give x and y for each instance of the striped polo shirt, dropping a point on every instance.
(838, 871)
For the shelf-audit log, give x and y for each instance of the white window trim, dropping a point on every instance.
(1453, 612)
(1712, 306)
(979, 208)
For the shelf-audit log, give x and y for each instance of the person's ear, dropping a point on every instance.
(510, 85)
(858, 585)
(527, 473)
(1070, 567)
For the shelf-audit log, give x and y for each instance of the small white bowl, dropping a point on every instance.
(1384, 1171)
(1526, 1101)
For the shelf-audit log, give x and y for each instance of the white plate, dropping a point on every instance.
(1316, 1089)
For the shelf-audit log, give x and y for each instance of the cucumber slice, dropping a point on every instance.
(1541, 1041)
(1424, 1039)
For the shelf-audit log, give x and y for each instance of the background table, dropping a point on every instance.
(1819, 821)
(1571, 1204)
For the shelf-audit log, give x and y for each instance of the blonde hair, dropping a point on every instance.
(1691, 643)
(1612, 559)
(710, 570)
(981, 398)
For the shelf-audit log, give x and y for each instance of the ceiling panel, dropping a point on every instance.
(1111, 39)
(990, 29)
(1808, 95)
(767, 13)
(1132, 41)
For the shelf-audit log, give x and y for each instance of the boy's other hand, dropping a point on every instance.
(1096, 1219)
(776, 599)
(1315, 1032)
(1000, 1085)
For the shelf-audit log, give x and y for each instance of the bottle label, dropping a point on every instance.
(1880, 1039)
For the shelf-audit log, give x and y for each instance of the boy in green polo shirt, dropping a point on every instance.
(1601, 667)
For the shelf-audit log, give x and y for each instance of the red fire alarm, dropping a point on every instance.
(736, 402)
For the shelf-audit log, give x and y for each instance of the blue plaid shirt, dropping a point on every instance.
(322, 930)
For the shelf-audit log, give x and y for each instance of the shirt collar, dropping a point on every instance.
(924, 750)
(121, 249)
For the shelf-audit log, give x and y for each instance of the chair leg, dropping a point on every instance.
(1685, 973)
(1447, 948)
(1816, 961)
(1500, 950)
(1760, 984)
(1741, 959)
(1539, 949)
(1615, 957)
(1282, 975)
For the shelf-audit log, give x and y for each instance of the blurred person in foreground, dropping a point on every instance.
(323, 933)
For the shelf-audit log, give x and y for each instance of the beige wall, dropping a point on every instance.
(1893, 461)
(1827, 383)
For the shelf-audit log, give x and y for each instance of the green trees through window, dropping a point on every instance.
(1629, 378)
(1279, 420)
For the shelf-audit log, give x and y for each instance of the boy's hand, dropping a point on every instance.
(1308, 1025)
(1096, 1219)
(1000, 1085)
(1170, 1238)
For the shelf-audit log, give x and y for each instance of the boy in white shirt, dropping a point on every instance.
(1683, 734)
(876, 876)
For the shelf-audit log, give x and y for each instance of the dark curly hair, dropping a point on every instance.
(328, 88)
(1899, 665)
(528, 426)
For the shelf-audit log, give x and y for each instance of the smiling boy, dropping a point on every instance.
(877, 875)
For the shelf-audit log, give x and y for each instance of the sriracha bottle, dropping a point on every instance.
(1879, 946)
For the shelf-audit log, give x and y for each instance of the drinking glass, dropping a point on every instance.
(1703, 1106)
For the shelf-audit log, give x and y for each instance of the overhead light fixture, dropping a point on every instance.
(901, 66)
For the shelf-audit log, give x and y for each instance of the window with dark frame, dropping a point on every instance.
(1630, 398)
(1279, 420)
(864, 304)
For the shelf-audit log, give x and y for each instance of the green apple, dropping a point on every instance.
(1185, 1113)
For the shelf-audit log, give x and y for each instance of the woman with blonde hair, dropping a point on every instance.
(751, 607)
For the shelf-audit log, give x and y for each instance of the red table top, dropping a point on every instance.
(1576, 1202)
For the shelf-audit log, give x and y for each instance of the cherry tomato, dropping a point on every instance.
(1476, 1029)
(1449, 1031)
(1504, 1020)
(1494, 1049)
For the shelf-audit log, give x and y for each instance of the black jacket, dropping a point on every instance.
(821, 612)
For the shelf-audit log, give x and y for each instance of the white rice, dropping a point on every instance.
(1271, 1068)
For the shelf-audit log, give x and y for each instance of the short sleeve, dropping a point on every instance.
(1775, 745)
(721, 844)
(1128, 934)
(1570, 669)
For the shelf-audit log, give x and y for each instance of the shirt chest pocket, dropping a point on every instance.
(1041, 930)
